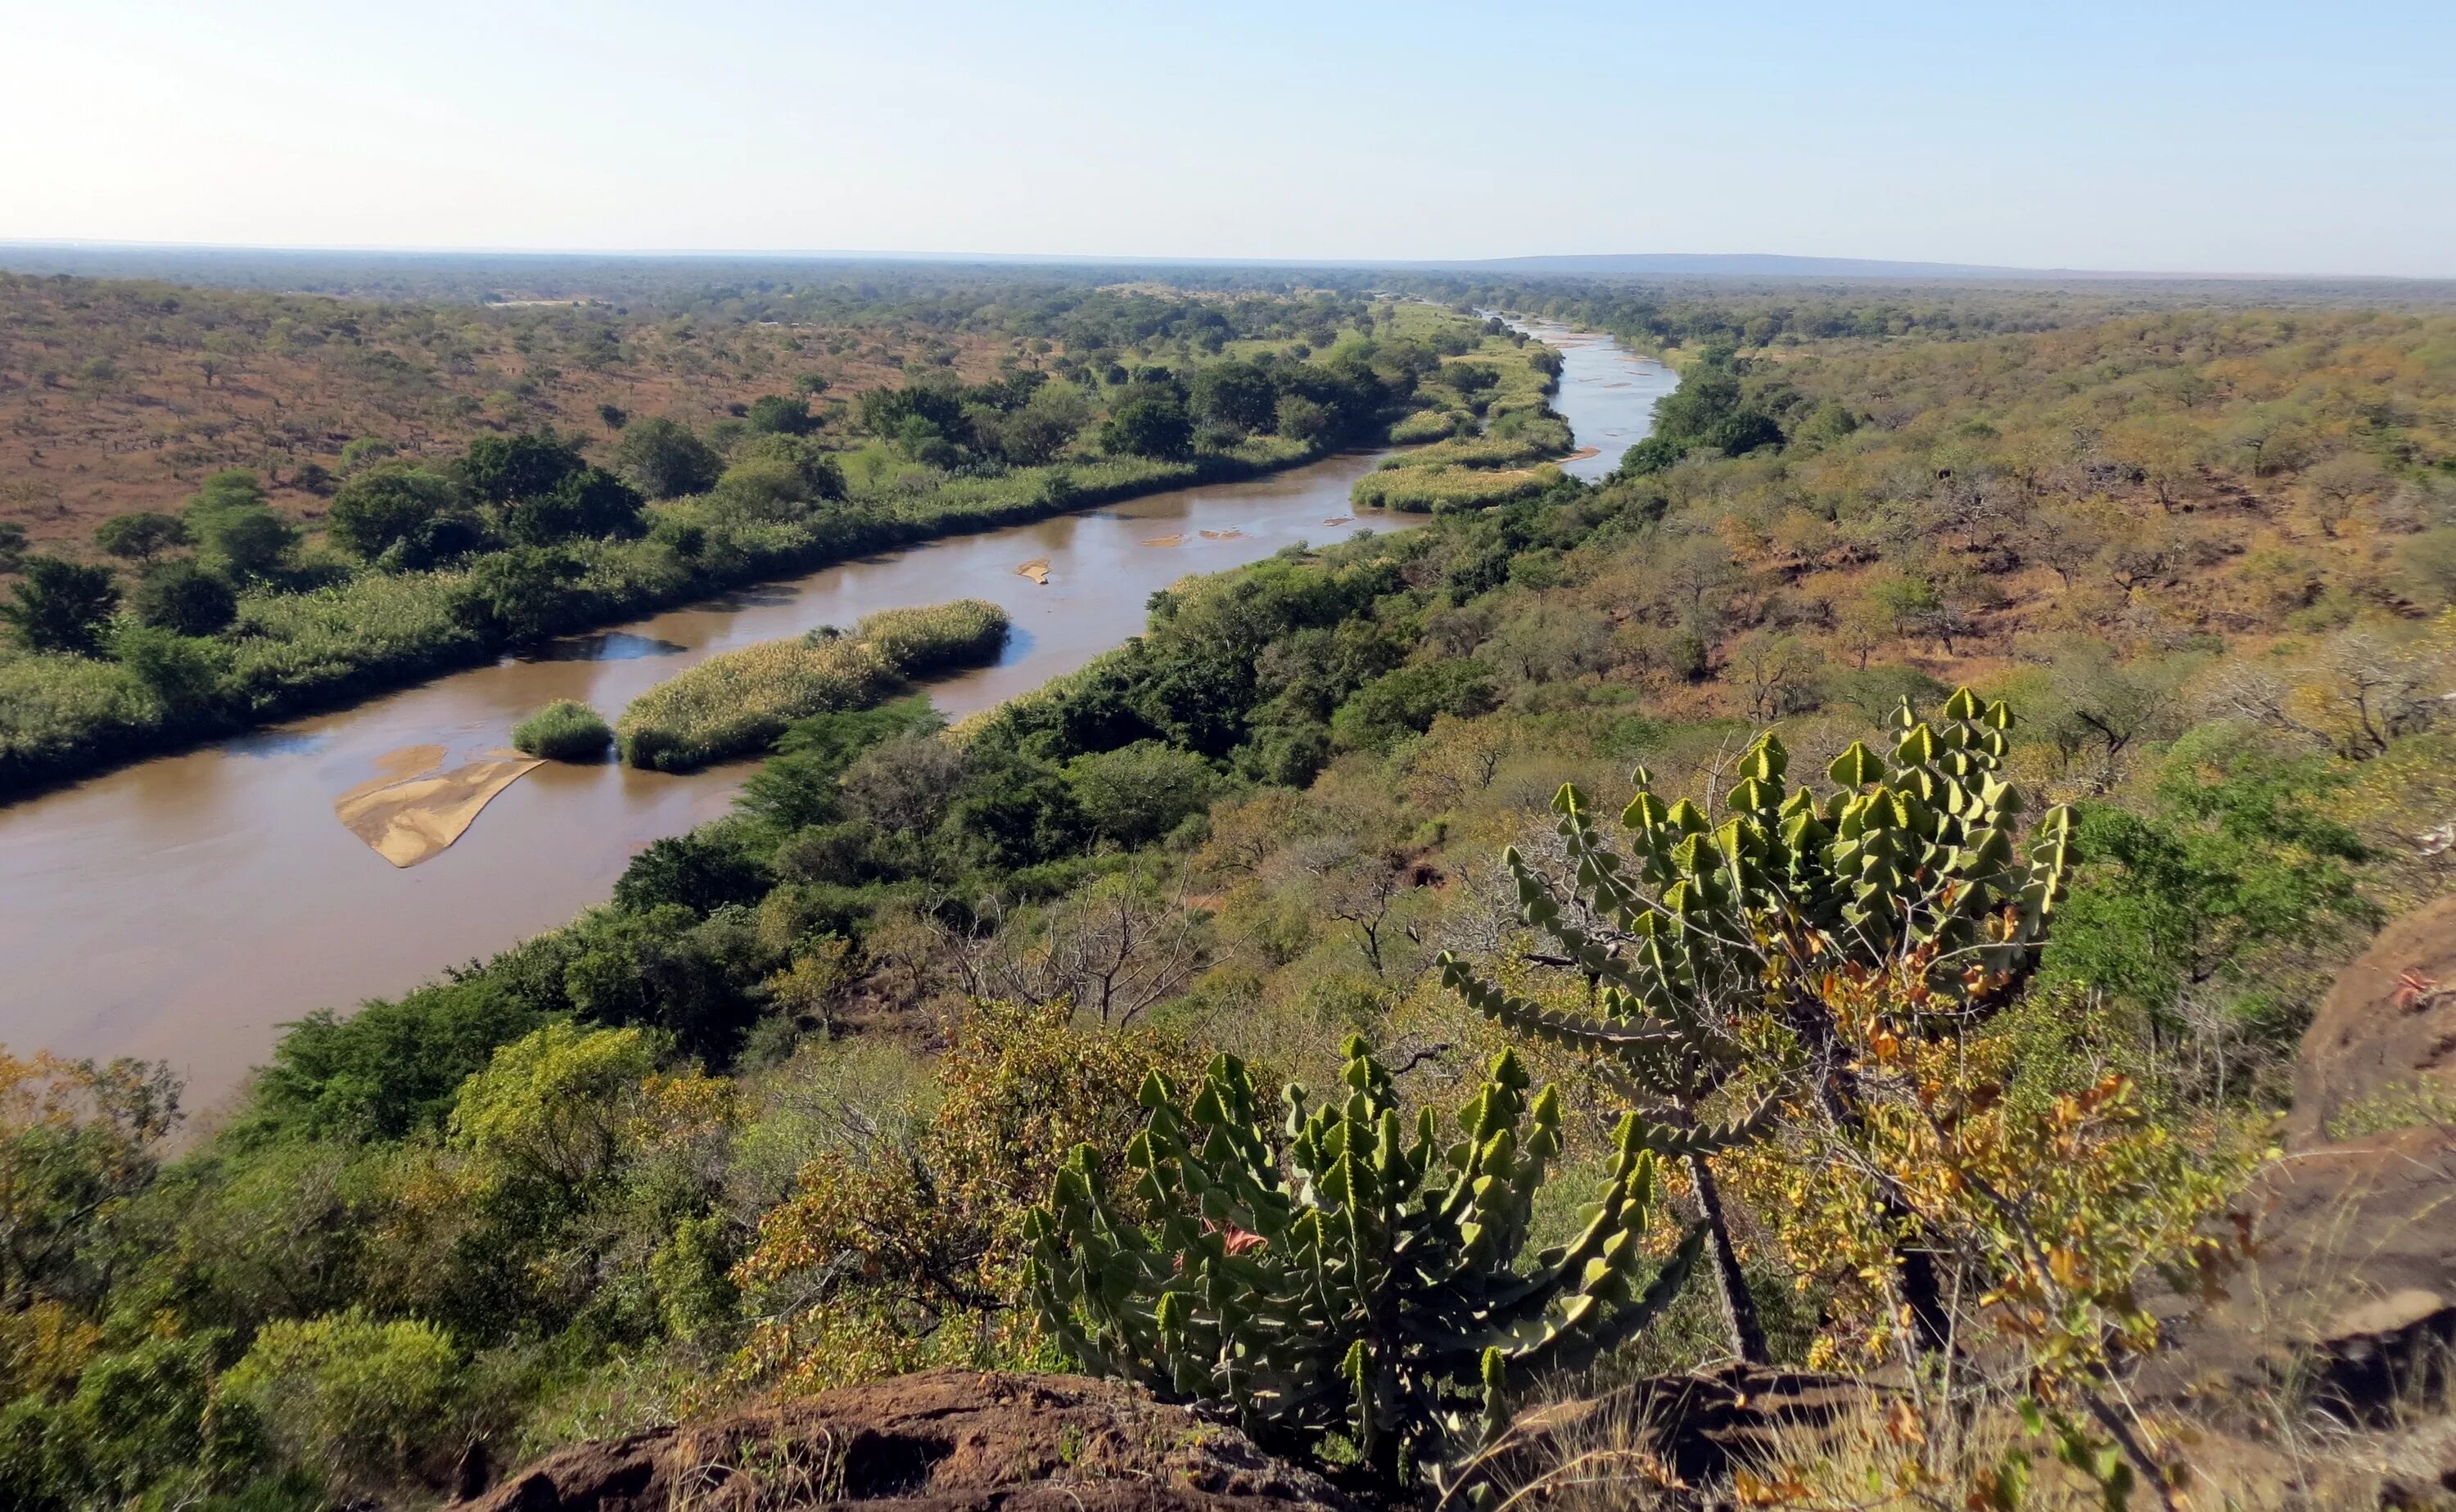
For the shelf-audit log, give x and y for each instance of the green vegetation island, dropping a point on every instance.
(1806, 970)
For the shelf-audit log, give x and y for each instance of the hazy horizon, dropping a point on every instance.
(2262, 140)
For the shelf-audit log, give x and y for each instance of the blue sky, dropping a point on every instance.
(2245, 137)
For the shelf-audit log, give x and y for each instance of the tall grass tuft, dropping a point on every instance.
(566, 731)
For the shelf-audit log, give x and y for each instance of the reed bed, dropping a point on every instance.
(936, 637)
(739, 702)
(1446, 488)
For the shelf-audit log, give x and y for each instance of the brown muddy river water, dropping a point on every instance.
(184, 908)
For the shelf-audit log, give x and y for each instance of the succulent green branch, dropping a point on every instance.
(1360, 1274)
(1909, 858)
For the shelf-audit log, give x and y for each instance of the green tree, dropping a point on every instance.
(2229, 872)
(1137, 793)
(586, 503)
(365, 452)
(372, 1403)
(183, 597)
(61, 605)
(520, 594)
(1237, 395)
(392, 506)
(664, 459)
(237, 534)
(699, 871)
(140, 536)
(501, 469)
(551, 1107)
(78, 1143)
(781, 414)
(1405, 702)
(181, 670)
(1152, 425)
(1300, 419)
(1047, 423)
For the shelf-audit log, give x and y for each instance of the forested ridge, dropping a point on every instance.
(2020, 721)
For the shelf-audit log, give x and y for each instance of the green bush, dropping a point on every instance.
(61, 605)
(566, 731)
(1403, 703)
(356, 1396)
(1137, 793)
(183, 597)
(936, 637)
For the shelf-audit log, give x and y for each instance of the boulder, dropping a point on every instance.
(949, 1440)
(2388, 1024)
(1686, 1433)
(2349, 1300)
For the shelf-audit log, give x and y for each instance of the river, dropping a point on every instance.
(182, 908)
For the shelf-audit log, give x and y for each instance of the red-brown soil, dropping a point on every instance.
(121, 395)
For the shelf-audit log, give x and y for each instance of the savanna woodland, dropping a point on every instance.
(1835, 905)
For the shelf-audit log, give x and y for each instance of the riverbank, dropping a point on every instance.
(258, 905)
(63, 719)
(258, 901)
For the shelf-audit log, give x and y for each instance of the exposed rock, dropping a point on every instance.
(1692, 1430)
(2388, 1024)
(943, 1441)
(2348, 1303)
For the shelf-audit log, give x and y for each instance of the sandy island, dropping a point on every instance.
(1339, 520)
(410, 812)
(1223, 535)
(1165, 540)
(1037, 569)
(1582, 453)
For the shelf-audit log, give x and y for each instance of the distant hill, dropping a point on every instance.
(1760, 265)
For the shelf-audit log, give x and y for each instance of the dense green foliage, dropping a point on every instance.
(447, 560)
(565, 731)
(1356, 1281)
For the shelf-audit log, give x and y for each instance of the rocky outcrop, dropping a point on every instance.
(2349, 1300)
(1688, 1431)
(2347, 1303)
(943, 1441)
(2387, 1028)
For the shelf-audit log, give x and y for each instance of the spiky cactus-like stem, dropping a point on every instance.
(1706, 923)
(1362, 1275)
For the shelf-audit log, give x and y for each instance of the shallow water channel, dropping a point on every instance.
(183, 908)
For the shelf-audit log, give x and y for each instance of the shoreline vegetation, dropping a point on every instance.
(429, 568)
